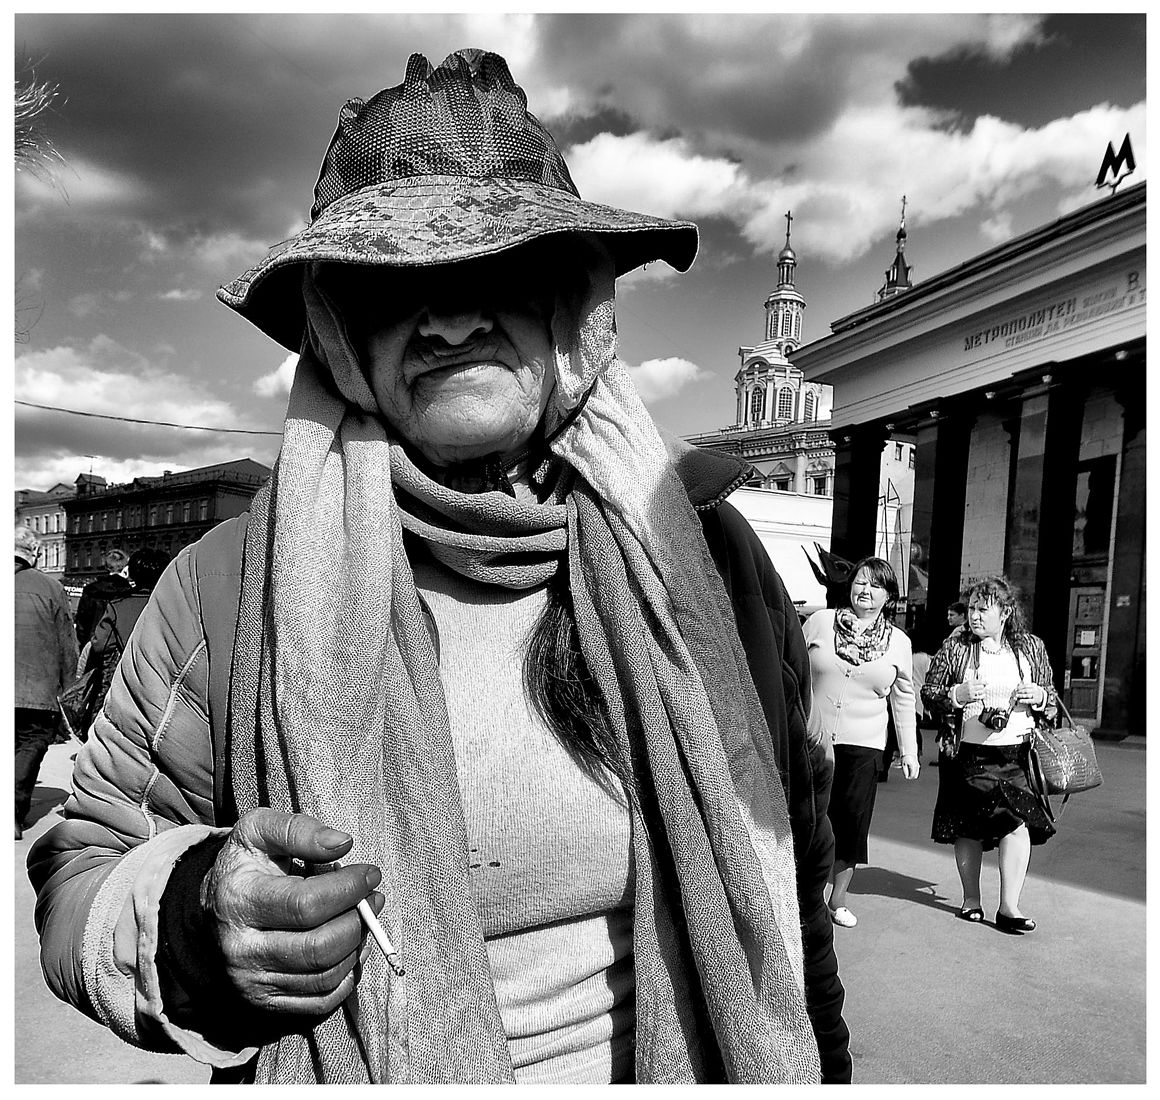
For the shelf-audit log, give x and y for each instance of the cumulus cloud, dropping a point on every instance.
(84, 183)
(659, 379)
(105, 378)
(847, 183)
(277, 381)
(178, 295)
(662, 177)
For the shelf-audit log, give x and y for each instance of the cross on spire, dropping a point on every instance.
(788, 219)
(903, 221)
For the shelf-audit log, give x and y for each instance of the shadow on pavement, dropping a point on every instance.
(892, 884)
(44, 801)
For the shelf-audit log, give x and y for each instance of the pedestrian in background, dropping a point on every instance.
(956, 615)
(994, 679)
(46, 660)
(121, 614)
(860, 664)
(96, 594)
(490, 637)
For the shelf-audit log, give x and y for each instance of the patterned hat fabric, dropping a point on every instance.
(448, 166)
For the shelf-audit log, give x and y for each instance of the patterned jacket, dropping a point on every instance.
(951, 665)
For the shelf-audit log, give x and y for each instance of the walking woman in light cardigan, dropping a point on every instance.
(859, 663)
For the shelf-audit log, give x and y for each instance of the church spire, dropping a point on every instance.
(899, 273)
(786, 259)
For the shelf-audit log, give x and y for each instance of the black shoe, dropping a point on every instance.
(973, 915)
(1014, 925)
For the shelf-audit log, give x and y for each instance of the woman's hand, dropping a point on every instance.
(969, 691)
(1032, 695)
(910, 766)
(289, 944)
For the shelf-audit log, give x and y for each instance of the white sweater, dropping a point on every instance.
(850, 700)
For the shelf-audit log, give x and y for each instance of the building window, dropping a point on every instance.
(202, 509)
(88, 557)
(152, 515)
(785, 403)
(910, 457)
(786, 323)
(185, 511)
(797, 326)
(897, 452)
(119, 519)
(782, 484)
(820, 486)
(169, 513)
(757, 405)
(810, 406)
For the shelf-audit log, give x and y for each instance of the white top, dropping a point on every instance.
(850, 700)
(1000, 672)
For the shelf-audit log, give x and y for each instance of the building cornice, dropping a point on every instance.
(1025, 268)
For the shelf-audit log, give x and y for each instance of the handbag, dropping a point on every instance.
(1063, 759)
(79, 701)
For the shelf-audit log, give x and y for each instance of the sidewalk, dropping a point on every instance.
(930, 999)
(56, 1044)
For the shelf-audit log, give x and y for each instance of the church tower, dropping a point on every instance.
(784, 306)
(899, 275)
(770, 391)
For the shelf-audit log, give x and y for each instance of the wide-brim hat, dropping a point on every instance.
(445, 167)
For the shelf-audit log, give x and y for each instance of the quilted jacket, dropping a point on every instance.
(148, 783)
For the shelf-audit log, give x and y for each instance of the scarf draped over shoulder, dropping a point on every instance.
(337, 710)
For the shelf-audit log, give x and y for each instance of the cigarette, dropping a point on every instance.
(380, 937)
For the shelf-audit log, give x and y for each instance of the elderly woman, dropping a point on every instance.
(860, 664)
(485, 639)
(993, 678)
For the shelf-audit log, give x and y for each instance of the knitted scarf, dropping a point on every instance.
(336, 710)
(859, 646)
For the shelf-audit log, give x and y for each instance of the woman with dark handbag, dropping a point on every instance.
(992, 677)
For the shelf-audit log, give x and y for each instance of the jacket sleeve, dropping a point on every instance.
(142, 795)
(902, 702)
(67, 640)
(944, 675)
(1041, 673)
(775, 648)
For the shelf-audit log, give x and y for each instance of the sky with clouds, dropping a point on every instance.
(192, 143)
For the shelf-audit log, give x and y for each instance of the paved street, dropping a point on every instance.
(929, 998)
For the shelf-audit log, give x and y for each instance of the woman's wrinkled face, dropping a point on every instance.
(867, 596)
(986, 620)
(459, 357)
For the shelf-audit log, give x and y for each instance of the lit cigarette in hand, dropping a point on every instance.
(380, 937)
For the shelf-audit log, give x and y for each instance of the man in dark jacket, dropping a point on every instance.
(96, 594)
(46, 661)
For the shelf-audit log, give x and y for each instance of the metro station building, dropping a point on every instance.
(1019, 376)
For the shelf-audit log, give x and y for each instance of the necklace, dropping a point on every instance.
(991, 645)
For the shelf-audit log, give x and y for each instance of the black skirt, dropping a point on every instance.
(984, 794)
(852, 800)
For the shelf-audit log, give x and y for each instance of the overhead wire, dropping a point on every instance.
(156, 423)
